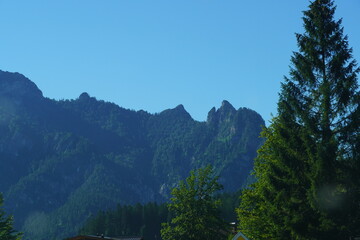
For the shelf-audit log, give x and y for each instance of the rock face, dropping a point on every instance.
(61, 161)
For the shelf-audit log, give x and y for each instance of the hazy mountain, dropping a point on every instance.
(61, 161)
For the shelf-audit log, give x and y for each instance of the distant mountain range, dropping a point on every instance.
(62, 161)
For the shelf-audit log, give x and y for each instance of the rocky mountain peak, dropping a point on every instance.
(179, 111)
(84, 96)
(16, 85)
(224, 113)
(211, 117)
(180, 107)
(226, 107)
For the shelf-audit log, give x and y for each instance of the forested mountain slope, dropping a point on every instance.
(61, 161)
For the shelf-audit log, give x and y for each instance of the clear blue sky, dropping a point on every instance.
(154, 55)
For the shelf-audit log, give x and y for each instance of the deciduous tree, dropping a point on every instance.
(195, 208)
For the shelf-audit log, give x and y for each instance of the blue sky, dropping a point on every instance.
(154, 55)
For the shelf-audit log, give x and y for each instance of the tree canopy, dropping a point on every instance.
(195, 209)
(308, 168)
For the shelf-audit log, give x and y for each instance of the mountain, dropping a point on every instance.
(62, 161)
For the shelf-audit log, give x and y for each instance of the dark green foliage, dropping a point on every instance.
(7, 232)
(126, 220)
(145, 220)
(308, 168)
(62, 161)
(196, 211)
(228, 204)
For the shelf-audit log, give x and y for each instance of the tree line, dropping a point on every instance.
(196, 206)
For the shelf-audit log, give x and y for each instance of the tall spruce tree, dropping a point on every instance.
(7, 231)
(308, 168)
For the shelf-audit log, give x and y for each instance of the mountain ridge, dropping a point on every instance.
(61, 161)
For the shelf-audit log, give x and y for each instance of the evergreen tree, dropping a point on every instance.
(197, 216)
(7, 231)
(308, 168)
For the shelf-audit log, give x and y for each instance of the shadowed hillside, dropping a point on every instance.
(62, 161)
